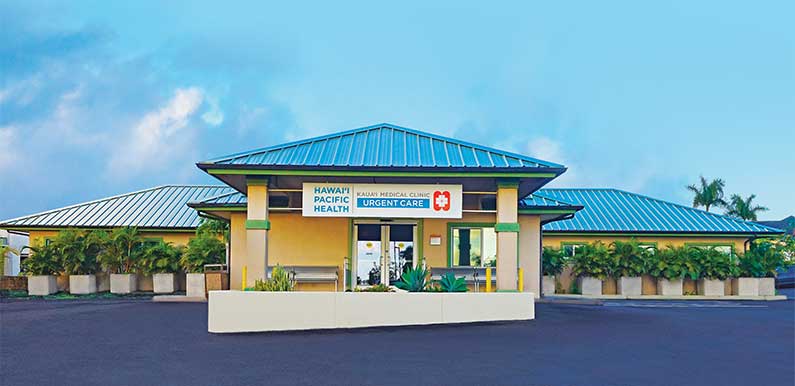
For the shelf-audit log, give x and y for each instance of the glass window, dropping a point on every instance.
(571, 249)
(725, 248)
(650, 247)
(3, 240)
(474, 247)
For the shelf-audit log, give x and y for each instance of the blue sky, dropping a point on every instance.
(101, 98)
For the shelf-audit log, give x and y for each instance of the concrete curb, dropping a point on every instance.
(178, 299)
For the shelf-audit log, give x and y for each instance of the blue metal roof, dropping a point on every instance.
(379, 146)
(613, 210)
(536, 201)
(158, 207)
(232, 198)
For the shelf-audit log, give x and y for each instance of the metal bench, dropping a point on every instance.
(312, 273)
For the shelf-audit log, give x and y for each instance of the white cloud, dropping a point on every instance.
(547, 149)
(9, 156)
(160, 135)
(214, 116)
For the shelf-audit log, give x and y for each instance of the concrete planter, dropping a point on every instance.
(630, 286)
(194, 285)
(164, 283)
(669, 287)
(252, 311)
(124, 283)
(42, 285)
(745, 286)
(82, 284)
(590, 286)
(767, 286)
(548, 285)
(711, 287)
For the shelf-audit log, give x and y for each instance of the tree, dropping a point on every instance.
(743, 209)
(708, 194)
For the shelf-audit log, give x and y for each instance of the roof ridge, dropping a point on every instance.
(695, 209)
(103, 199)
(393, 127)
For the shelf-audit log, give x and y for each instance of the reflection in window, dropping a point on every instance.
(474, 247)
(570, 250)
(727, 249)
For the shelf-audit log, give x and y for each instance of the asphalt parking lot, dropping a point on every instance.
(105, 342)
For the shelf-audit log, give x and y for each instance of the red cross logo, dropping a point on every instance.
(441, 200)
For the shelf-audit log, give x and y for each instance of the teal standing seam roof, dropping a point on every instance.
(613, 210)
(158, 207)
(381, 146)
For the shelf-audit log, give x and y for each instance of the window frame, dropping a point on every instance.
(462, 225)
(732, 252)
(564, 244)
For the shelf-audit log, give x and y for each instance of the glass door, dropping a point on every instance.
(383, 252)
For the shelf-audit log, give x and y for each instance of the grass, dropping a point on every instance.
(12, 294)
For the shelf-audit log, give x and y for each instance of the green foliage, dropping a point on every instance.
(203, 249)
(630, 257)
(280, 281)
(672, 263)
(161, 258)
(121, 250)
(43, 261)
(449, 283)
(743, 208)
(77, 251)
(552, 261)
(708, 194)
(376, 288)
(713, 264)
(414, 280)
(214, 227)
(766, 256)
(594, 260)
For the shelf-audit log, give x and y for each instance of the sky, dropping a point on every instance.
(100, 98)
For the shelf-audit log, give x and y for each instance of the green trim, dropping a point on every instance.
(338, 173)
(221, 209)
(635, 234)
(508, 183)
(258, 224)
(547, 211)
(420, 241)
(506, 227)
(257, 181)
(451, 225)
(499, 290)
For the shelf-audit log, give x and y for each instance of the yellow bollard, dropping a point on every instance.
(488, 279)
(521, 280)
(245, 278)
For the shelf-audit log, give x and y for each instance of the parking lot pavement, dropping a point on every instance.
(633, 343)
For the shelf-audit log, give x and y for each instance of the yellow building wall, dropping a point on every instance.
(176, 238)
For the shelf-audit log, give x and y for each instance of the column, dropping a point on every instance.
(530, 252)
(238, 250)
(507, 229)
(257, 226)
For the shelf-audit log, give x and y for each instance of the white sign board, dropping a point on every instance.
(382, 200)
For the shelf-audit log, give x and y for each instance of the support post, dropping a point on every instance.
(507, 229)
(257, 226)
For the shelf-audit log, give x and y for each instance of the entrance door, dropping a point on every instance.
(384, 251)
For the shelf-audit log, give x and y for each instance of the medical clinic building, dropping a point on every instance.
(356, 208)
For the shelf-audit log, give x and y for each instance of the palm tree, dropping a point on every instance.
(743, 209)
(708, 194)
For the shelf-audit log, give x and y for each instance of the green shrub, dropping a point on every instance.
(714, 264)
(552, 261)
(42, 261)
(414, 280)
(766, 256)
(630, 257)
(376, 288)
(450, 283)
(672, 263)
(77, 252)
(280, 281)
(594, 260)
(161, 258)
(203, 249)
(121, 250)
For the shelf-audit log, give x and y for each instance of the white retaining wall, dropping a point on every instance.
(252, 311)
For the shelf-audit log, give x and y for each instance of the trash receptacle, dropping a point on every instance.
(216, 277)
